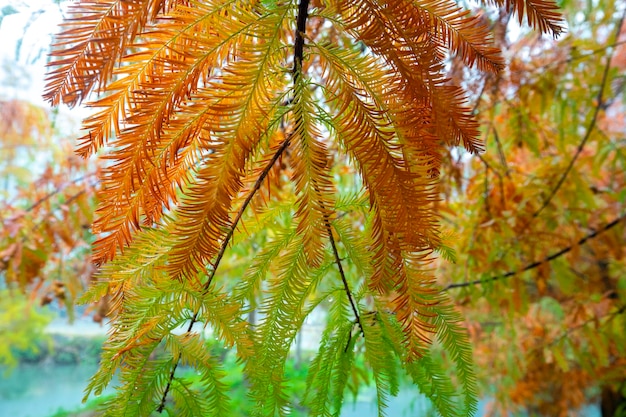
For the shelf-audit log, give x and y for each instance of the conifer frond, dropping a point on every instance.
(219, 312)
(368, 137)
(212, 400)
(140, 181)
(135, 396)
(92, 41)
(427, 372)
(349, 202)
(419, 83)
(148, 307)
(455, 341)
(400, 199)
(461, 33)
(381, 360)
(326, 380)
(259, 269)
(540, 14)
(416, 294)
(355, 246)
(187, 38)
(239, 121)
(313, 185)
(284, 309)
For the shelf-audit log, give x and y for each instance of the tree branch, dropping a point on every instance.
(590, 128)
(571, 59)
(297, 69)
(343, 275)
(298, 57)
(298, 47)
(220, 255)
(56, 191)
(537, 263)
(566, 333)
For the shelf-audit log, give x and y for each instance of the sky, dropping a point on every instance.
(25, 35)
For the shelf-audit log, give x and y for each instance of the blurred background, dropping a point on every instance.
(548, 327)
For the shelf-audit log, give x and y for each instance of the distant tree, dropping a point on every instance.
(539, 220)
(46, 207)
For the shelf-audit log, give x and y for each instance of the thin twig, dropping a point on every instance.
(588, 132)
(537, 263)
(507, 170)
(486, 192)
(57, 191)
(570, 330)
(343, 275)
(303, 7)
(590, 128)
(223, 247)
(480, 96)
(47, 220)
(297, 67)
(298, 47)
(571, 59)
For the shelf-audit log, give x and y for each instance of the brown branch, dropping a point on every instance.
(480, 96)
(220, 255)
(571, 330)
(537, 263)
(45, 220)
(297, 69)
(507, 170)
(298, 47)
(303, 7)
(571, 59)
(56, 191)
(590, 128)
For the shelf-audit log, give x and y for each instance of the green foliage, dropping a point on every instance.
(21, 328)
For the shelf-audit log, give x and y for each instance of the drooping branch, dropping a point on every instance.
(297, 69)
(569, 331)
(535, 264)
(220, 255)
(303, 7)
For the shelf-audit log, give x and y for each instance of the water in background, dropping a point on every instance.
(41, 390)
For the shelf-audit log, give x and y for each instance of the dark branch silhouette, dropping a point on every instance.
(537, 263)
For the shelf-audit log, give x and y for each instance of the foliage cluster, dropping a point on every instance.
(549, 197)
(21, 329)
(46, 206)
(300, 141)
(296, 373)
